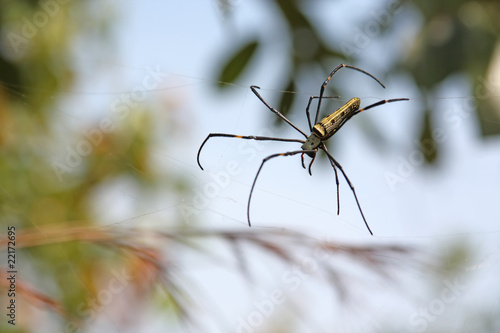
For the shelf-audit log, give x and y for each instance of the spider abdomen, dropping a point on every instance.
(329, 125)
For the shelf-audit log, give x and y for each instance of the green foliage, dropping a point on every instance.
(458, 37)
(427, 140)
(42, 198)
(237, 63)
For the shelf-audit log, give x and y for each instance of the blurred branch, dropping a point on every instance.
(152, 265)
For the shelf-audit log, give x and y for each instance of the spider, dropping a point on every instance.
(320, 133)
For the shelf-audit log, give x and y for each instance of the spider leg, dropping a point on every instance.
(276, 112)
(336, 180)
(290, 153)
(337, 164)
(322, 90)
(381, 103)
(310, 164)
(307, 109)
(247, 137)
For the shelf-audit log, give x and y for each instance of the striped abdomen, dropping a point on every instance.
(329, 125)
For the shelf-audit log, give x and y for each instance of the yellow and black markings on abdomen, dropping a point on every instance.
(329, 125)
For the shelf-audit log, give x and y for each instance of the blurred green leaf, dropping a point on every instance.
(237, 63)
(489, 117)
(427, 143)
(439, 52)
(286, 100)
(457, 37)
